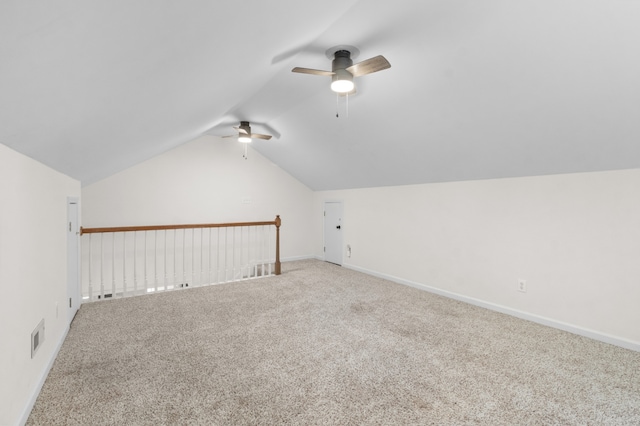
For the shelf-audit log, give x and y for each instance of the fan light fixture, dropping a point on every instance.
(343, 70)
(244, 135)
(342, 81)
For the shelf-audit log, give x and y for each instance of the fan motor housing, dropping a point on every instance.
(246, 126)
(341, 61)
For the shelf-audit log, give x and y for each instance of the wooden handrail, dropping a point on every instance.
(275, 222)
(167, 227)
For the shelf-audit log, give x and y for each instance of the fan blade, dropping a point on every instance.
(312, 71)
(273, 132)
(369, 66)
(229, 136)
(259, 136)
(241, 130)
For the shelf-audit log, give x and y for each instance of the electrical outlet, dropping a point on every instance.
(522, 286)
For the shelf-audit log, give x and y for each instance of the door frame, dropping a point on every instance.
(72, 302)
(325, 230)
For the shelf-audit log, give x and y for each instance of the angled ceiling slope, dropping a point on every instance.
(476, 90)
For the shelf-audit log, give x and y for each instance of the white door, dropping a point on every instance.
(73, 276)
(333, 232)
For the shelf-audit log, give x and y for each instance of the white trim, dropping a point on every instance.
(324, 229)
(294, 258)
(78, 293)
(549, 322)
(36, 391)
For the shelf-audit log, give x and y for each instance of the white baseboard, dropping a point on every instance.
(294, 258)
(36, 391)
(571, 328)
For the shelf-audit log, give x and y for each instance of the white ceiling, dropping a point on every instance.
(476, 89)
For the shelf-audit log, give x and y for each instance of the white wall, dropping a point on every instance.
(204, 181)
(33, 275)
(574, 238)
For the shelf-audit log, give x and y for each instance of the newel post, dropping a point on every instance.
(278, 222)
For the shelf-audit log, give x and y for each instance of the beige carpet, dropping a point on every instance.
(323, 345)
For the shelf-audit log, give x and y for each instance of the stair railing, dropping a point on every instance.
(135, 260)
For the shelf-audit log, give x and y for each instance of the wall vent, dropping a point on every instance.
(37, 338)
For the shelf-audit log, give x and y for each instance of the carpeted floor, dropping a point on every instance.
(324, 345)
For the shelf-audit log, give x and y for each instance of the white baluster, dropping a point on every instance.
(101, 268)
(146, 279)
(184, 243)
(113, 265)
(193, 256)
(90, 272)
(135, 262)
(124, 265)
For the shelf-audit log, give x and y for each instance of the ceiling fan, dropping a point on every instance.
(244, 135)
(343, 70)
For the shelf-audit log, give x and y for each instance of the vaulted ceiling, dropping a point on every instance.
(477, 88)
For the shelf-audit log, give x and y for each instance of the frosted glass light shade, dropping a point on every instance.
(342, 81)
(342, 86)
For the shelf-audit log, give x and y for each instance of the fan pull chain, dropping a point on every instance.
(338, 105)
(347, 105)
(245, 156)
